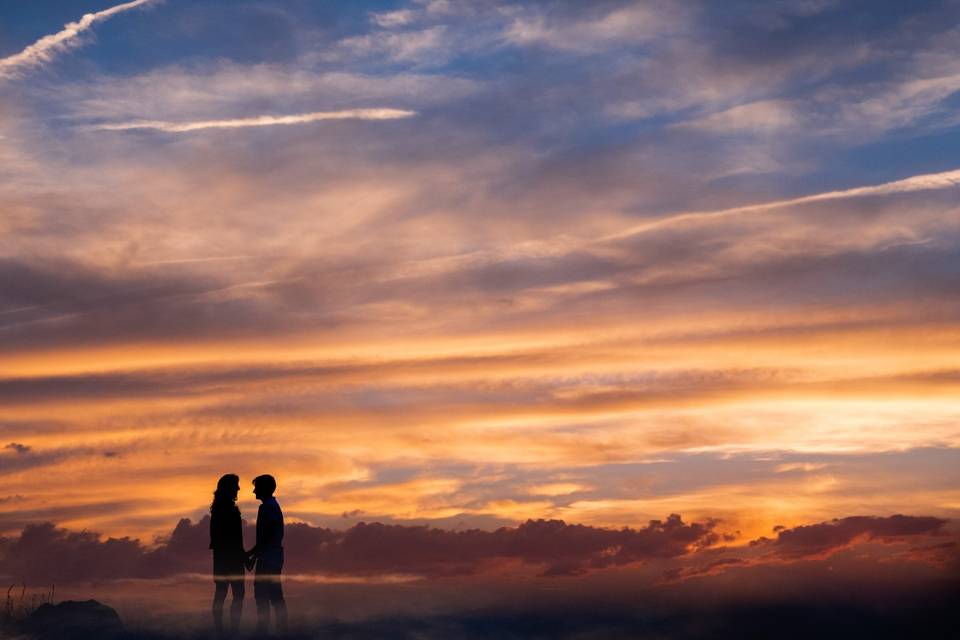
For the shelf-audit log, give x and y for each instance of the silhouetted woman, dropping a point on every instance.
(226, 540)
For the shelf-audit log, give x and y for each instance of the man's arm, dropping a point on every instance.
(269, 533)
(258, 544)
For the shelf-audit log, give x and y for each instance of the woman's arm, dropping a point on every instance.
(213, 530)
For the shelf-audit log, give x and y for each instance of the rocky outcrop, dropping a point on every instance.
(73, 620)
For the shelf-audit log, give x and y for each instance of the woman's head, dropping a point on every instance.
(228, 486)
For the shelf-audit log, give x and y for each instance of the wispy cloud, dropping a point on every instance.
(943, 180)
(258, 121)
(593, 32)
(44, 49)
(391, 19)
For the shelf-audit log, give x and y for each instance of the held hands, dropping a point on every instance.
(250, 561)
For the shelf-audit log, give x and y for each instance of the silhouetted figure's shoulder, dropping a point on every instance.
(226, 528)
(270, 509)
(269, 524)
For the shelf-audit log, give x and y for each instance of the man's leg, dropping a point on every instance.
(262, 595)
(263, 616)
(236, 606)
(219, 595)
(280, 606)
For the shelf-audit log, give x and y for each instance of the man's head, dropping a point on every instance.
(264, 486)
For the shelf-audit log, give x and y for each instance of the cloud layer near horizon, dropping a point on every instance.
(44, 553)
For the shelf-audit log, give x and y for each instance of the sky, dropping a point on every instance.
(472, 264)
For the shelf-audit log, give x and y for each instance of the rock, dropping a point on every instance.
(73, 620)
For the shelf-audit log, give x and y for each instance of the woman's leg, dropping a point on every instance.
(219, 595)
(236, 606)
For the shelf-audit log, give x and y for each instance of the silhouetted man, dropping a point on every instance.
(268, 555)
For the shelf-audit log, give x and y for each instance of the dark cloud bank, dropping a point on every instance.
(44, 553)
(854, 577)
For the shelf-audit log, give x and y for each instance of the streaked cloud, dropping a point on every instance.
(48, 47)
(943, 180)
(257, 121)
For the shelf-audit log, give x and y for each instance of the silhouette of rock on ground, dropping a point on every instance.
(73, 620)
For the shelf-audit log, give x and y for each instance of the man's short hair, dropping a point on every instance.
(265, 482)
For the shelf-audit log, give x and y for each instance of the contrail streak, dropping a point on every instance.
(44, 49)
(924, 182)
(257, 121)
(193, 260)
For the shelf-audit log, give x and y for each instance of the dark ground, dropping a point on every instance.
(936, 618)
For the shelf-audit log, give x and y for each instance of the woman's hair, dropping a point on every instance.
(227, 486)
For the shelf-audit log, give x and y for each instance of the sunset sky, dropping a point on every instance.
(472, 263)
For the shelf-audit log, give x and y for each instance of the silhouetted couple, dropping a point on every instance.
(230, 559)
